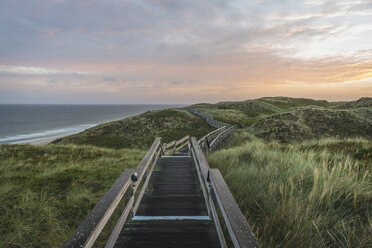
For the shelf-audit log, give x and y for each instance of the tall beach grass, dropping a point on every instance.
(46, 191)
(311, 194)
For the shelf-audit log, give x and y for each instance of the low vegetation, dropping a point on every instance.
(312, 123)
(310, 194)
(141, 130)
(364, 102)
(246, 113)
(46, 191)
(298, 168)
(287, 119)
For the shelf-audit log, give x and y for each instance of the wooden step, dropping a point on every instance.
(174, 194)
(177, 234)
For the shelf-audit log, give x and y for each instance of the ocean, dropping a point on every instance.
(40, 124)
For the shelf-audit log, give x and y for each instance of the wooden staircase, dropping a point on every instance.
(172, 199)
(173, 212)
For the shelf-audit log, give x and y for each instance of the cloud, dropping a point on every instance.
(163, 46)
(37, 71)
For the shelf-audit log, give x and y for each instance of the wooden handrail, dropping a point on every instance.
(240, 232)
(170, 144)
(182, 140)
(211, 133)
(238, 227)
(221, 135)
(176, 145)
(87, 232)
(202, 161)
(146, 161)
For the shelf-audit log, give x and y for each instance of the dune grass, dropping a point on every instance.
(313, 123)
(46, 191)
(246, 113)
(141, 130)
(311, 194)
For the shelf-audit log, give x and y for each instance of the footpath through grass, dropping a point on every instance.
(46, 191)
(311, 194)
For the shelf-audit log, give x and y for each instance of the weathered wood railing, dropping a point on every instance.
(213, 140)
(219, 197)
(131, 185)
(174, 146)
(128, 183)
(209, 118)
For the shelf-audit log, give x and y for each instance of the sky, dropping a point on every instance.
(183, 51)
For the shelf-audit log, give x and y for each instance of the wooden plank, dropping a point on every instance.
(164, 148)
(204, 187)
(211, 133)
(240, 232)
(119, 225)
(142, 167)
(170, 144)
(217, 223)
(220, 137)
(168, 234)
(88, 231)
(174, 190)
(144, 186)
(182, 140)
(202, 161)
(172, 212)
(182, 146)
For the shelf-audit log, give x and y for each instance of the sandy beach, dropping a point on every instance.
(45, 140)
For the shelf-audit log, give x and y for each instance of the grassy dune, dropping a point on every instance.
(46, 191)
(310, 194)
(288, 120)
(314, 123)
(296, 187)
(246, 113)
(141, 130)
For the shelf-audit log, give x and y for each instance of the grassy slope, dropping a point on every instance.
(313, 194)
(246, 113)
(140, 131)
(310, 123)
(364, 102)
(295, 119)
(309, 190)
(34, 179)
(46, 191)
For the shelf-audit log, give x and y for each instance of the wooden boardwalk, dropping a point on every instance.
(172, 199)
(173, 212)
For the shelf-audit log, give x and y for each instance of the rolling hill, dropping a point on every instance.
(141, 130)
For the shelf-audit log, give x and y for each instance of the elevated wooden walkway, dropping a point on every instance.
(173, 212)
(172, 199)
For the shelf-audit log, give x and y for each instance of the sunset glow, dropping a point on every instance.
(163, 51)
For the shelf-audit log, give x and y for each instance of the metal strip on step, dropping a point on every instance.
(175, 156)
(171, 218)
